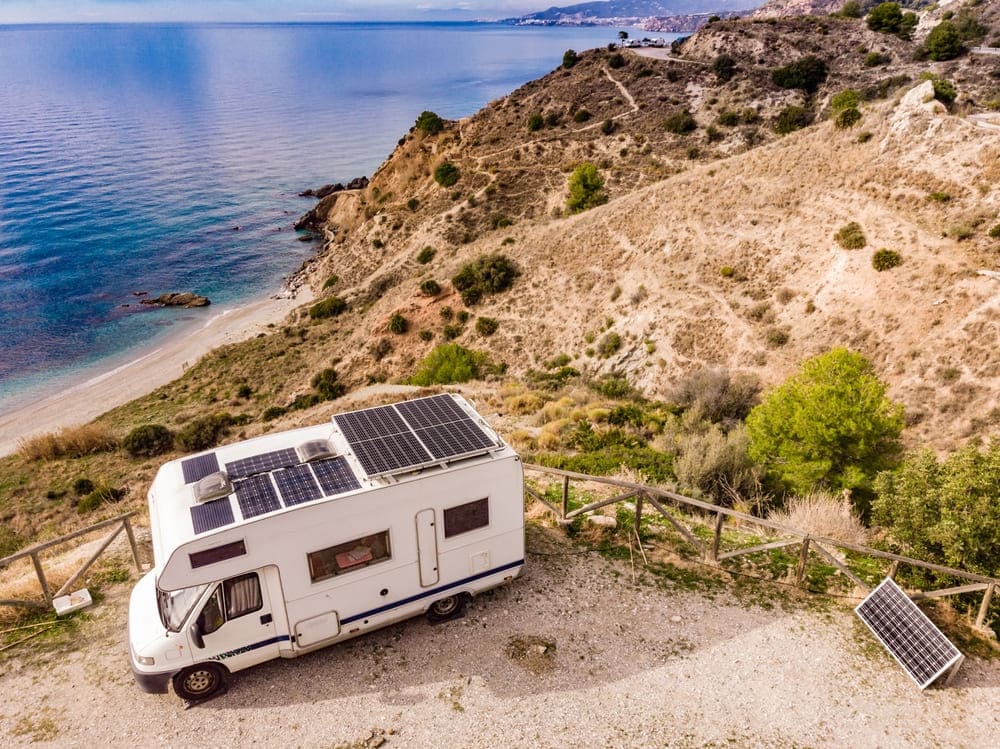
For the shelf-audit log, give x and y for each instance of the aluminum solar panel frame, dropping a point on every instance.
(392, 453)
(454, 440)
(909, 636)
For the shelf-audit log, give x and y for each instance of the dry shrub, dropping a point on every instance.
(523, 404)
(823, 514)
(69, 442)
(522, 439)
(556, 410)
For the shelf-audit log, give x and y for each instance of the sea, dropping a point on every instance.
(141, 159)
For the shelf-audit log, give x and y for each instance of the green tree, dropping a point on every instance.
(944, 42)
(429, 123)
(622, 36)
(805, 73)
(885, 18)
(446, 174)
(586, 188)
(570, 58)
(945, 511)
(829, 426)
(851, 9)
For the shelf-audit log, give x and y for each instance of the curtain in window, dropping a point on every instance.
(242, 596)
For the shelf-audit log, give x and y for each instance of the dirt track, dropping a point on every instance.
(573, 654)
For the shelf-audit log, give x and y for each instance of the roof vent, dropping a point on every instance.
(315, 450)
(212, 486)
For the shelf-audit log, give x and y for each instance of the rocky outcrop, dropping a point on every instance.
(358, 183)
(178, 299)
(313, 220)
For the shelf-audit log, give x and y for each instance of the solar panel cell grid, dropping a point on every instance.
(263, 463)
(912, 639)
(370, 423)
(426, 412)
(335, 476)
(211, 515)
(390, 453)
(457, 438)
(199, 467)
(297, 485)
(256, 496)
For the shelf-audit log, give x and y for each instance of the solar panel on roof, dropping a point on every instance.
(370, 423)
(199, 467)
(390, 453)
(906, 632)
(335, 476)
(256, 496)
(263, 463)
(297, 485)
(457, 438)
(426, 412)
(211, 515)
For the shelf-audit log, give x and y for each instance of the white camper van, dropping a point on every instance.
(286, 543)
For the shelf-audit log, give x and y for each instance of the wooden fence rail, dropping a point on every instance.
(119, 524)
(710, 552)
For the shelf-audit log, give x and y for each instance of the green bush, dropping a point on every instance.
(680, 123)
(425, 335)
(776, 337)
(586, 188)
(332, 280)
(581, 115)
(729, 118)
(148, 440)
(430, 287)
(828, 426)
(847, 118)
(888, 18)
(446, 174)
(724, 67)
(874, 59)
(995, 232)
(939, 197)
(99, 496)
(486, 326)
(727, 271)
(944, 42)
(945, 511)
(944, 91)
(715, 462)
(426, 255)
(570, 58)
(398, 324)
(851, 236)
(326, 385)
(617, 60)
(535, 122)
(607, 127)
(851, 9)
(330, 307)
(792, 118)
(806, 73)
(885, 259)
(487, 274)
(83, 486)
(413, 204)
(203, 433)
(716, 395)
(450, 363)
(273, 412)
(429, 123)
(846, 99)
(609, 345)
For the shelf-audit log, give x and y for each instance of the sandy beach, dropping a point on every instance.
(84, 402)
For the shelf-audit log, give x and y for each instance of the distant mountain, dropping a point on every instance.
(620, 11)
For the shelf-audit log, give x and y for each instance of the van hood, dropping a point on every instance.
(144, 625)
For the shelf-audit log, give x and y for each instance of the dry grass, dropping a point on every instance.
(823, 514)
(71, 442)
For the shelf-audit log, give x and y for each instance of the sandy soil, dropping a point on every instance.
(90, 399)
(572, 654)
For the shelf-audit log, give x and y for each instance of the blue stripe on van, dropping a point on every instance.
(433, 592)
(248, 648)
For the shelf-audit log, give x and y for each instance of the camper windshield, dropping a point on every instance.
(176, 604)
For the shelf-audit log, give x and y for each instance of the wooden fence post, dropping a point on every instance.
(638, 517)
(893, 569)
(132, 543)
(565, 496)
(714, 551)
(987, 600)
(800, 573)
(46, 592)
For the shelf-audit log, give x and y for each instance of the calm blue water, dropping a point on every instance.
(128, 154)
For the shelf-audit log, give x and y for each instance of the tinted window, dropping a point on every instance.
(467, 517)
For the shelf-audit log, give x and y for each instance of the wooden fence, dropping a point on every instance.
(119, 524)
(711, 550)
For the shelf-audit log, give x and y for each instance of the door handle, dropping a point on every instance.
(266, 619)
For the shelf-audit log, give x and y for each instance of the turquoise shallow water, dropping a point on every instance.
(129, 154)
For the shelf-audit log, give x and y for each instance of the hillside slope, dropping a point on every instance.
(716, 247)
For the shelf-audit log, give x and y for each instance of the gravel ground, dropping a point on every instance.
(572, 654)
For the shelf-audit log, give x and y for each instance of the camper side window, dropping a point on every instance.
(347, 556)
(467, 517)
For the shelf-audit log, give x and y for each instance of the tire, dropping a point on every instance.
(199, 682)
(444, 609)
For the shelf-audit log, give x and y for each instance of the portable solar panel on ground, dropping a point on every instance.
(906, 632)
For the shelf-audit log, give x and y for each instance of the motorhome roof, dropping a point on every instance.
(358, 451)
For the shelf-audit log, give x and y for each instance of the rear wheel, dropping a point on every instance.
(444, 609)
(199, 681)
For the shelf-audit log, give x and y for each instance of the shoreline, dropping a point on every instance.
(85, 401)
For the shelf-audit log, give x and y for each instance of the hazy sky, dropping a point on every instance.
(54, 11)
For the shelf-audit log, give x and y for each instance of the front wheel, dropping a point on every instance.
(199, 682)
(444, 609)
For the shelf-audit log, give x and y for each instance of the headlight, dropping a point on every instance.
(145, 660)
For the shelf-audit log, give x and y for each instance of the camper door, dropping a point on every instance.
(236, 625)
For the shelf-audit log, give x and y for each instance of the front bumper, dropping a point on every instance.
(152, 683)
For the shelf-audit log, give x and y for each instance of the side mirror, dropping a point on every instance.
(194, 631)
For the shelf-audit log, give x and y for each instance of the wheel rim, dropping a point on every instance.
(201, 681)
(446, 605)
